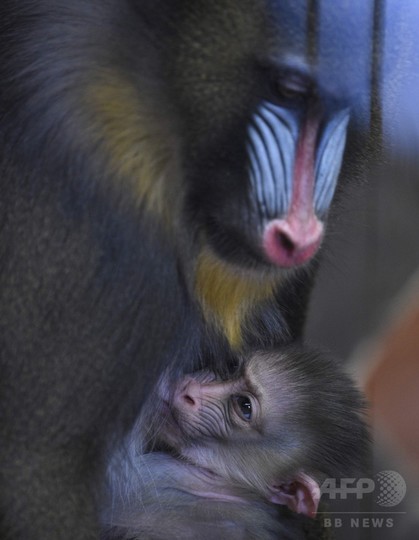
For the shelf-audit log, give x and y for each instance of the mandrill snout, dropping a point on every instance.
(291, 242)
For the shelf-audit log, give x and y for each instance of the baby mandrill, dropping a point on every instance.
(236, 459)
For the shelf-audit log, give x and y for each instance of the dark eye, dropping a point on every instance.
(292, 88)
(243, 407)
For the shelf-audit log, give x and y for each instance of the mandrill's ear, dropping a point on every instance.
(301, 495)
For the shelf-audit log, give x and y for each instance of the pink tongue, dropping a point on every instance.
(290, 242)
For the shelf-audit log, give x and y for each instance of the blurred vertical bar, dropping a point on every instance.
(374, 154)
(312, 26)
(374, 159)
(376, 125)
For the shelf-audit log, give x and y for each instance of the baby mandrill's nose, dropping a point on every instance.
(188, 397)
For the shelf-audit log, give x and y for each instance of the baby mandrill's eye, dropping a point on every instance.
(243, 406)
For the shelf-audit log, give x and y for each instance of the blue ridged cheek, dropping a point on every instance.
(272, 141)
(329, 160)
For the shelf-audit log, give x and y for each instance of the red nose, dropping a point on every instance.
(290, 242)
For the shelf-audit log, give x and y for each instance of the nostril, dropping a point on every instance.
(188, 395)
(188, 400)
(286, 243)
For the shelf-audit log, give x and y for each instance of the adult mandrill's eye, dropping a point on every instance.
(243, 406)
(290, 87)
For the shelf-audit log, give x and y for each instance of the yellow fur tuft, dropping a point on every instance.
(136, 141)
(227, 295)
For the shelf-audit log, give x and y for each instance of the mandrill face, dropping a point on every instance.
(264, 140)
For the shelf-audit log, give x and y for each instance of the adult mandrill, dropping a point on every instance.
(235, 450)
(165, 167)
